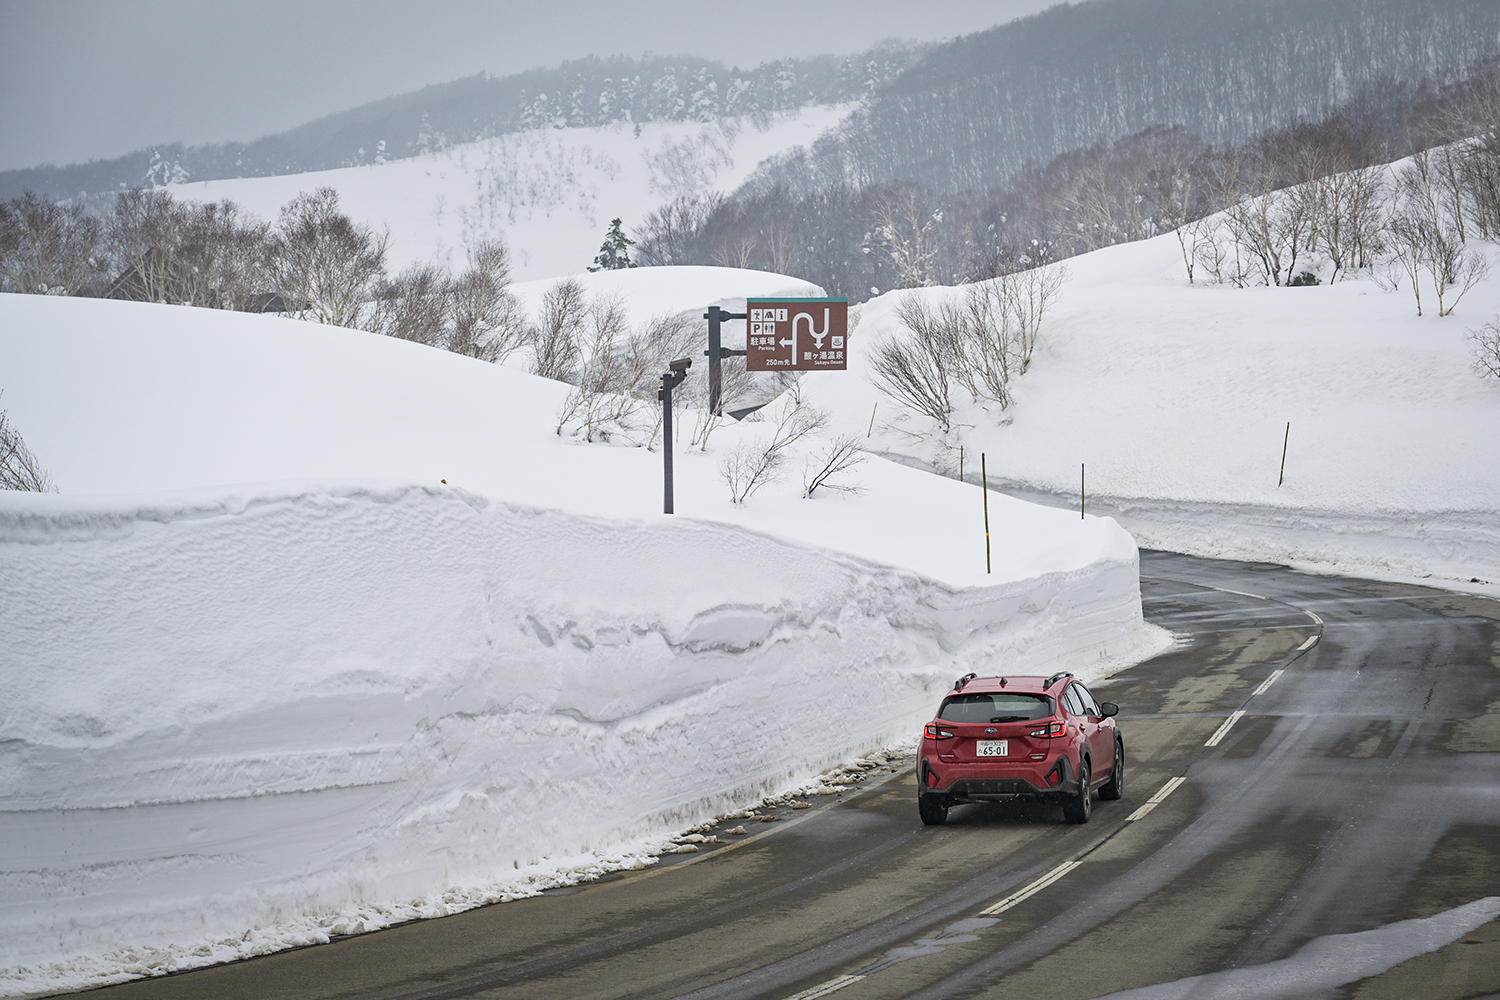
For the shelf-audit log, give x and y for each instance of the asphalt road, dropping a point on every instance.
(1358, 790)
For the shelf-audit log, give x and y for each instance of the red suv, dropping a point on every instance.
(996, 738)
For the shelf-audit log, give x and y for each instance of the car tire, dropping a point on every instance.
(933, 809)
(1078, 807)
(1114, 788)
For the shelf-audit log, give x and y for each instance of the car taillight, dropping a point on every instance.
(1051, 730)
(932, 732)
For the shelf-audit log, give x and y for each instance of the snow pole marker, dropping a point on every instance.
(1284, 441)
(984, 480)
(1080, 490)
(960, 463)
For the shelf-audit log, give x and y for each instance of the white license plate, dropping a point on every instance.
(992, 748)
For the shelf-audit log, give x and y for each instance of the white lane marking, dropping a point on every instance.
(1312, 640)
(1266, 684)
(1312, 616)
(1157, 799)
(832, 986)
(1226, 590)
(1030, 890)
(1223, 730)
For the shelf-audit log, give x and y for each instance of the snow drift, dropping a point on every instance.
(239, 717)
(1177, 399)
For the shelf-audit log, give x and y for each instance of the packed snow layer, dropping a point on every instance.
(1174, 398)
(549, 193)
(342, 692)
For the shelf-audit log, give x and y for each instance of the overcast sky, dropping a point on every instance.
(81, 79)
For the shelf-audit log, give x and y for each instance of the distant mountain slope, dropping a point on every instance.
(580, 93)
(974, 111)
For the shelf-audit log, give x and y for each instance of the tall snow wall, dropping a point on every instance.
(224, 711)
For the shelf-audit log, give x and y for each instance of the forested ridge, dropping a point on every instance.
(973, 113)
(580, 93)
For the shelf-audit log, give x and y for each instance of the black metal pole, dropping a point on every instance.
(666, 442)
(715, 383)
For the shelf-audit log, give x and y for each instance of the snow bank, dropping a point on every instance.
(1177, 397)
(242, 717)
(230, 711)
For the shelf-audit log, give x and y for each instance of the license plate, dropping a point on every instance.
(992, 748)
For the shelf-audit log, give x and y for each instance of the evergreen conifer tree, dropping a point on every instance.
(614, 252)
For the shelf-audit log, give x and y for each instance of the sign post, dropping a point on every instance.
(670, 379)
(716, 354)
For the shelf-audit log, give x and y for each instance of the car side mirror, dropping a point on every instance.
(1108, 709)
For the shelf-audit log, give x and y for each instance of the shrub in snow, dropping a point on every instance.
(19, 468)
(752, 464)
(980, 340)
(1486, 341)
(841, 455)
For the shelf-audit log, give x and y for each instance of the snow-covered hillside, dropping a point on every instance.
(1177, 397)
(549, 193)
(267, 677)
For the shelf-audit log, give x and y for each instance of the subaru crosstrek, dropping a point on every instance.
(998, 738)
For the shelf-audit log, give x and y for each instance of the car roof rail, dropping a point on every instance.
(1054, 679)
(966, 678)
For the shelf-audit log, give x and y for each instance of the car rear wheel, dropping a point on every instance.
(933, 809)
(1115, 786)
(1077, 808)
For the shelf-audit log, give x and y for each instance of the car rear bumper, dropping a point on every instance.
(986, 782)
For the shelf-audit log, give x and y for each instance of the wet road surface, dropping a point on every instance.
(1318, 756)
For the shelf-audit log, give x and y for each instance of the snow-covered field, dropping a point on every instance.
(549, 193)
(268, 678)
(1175, 400)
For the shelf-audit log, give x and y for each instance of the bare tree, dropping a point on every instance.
(752, 464)
(47, 248)
(486, 318)
(916, 370)
(903, 233)
(1473, 127)
(415, 305)
(323, 264)
(605, 394)
(19, 468)
(218, 256)
(142, 237)
(1426, 237)
(841, 455)
(669, 234)
(559, 331)
(1486, 343)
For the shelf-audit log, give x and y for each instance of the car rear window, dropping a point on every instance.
(995, 708)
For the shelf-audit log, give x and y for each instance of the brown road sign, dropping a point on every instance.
(798, 335)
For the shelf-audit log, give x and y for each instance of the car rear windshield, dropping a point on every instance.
(995, 708)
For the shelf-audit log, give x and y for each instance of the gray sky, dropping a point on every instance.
(81, 79)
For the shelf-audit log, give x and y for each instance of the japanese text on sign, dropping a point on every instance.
(796, 334)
